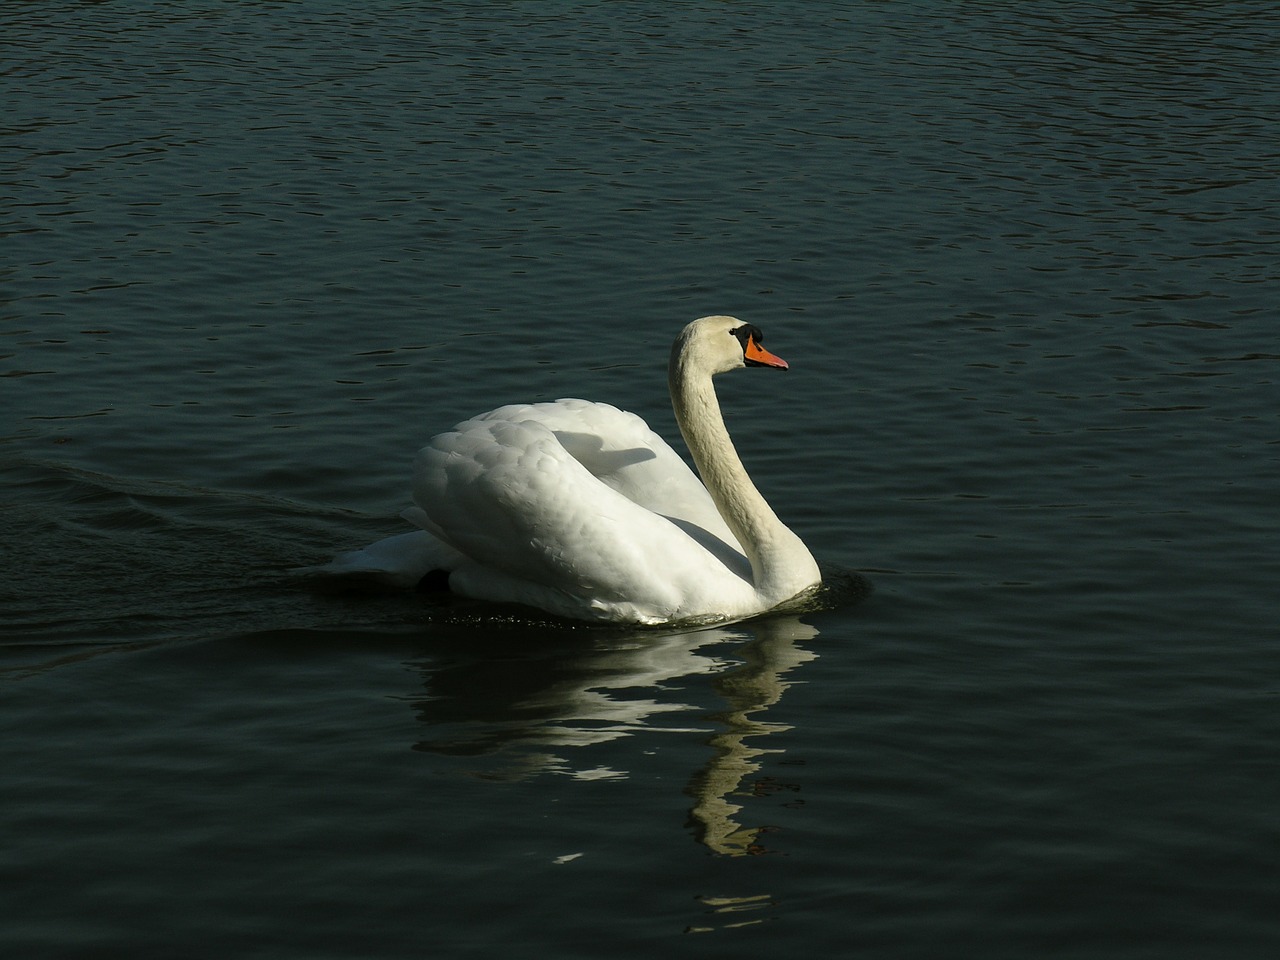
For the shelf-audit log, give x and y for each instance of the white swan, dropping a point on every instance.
(579, 509)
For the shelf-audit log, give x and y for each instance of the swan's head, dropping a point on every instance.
(718, 344)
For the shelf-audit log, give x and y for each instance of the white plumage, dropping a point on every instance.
(579, 509)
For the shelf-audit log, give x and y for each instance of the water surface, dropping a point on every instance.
(1022, 262)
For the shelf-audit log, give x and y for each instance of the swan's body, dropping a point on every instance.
(579, 509)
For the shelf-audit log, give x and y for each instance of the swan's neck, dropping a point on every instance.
(781, 565)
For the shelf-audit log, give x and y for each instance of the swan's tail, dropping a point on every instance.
(399, 561)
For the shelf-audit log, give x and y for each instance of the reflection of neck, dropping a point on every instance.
(781, 565)
(750, 689)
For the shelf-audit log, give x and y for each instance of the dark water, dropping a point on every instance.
(1023, 260)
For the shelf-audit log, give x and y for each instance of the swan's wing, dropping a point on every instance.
(621, 451)
(537, 526)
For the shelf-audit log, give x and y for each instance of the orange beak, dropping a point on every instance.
(757, 354)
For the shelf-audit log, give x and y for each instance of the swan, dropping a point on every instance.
(579, 509)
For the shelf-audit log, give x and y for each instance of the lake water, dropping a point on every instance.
(1023, 262)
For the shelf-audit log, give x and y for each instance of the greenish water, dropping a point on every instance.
(1022, 262)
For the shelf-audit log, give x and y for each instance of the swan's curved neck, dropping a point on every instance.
(781, 565)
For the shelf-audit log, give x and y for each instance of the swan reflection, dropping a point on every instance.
(748, 692)
(547, 707)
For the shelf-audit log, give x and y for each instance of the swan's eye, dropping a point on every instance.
(746, 333)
